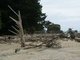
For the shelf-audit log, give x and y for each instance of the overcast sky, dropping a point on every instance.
(63, 12)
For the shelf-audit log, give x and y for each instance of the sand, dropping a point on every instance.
(70, 51)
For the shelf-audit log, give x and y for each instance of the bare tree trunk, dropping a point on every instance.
(21, 31)
(19, 24)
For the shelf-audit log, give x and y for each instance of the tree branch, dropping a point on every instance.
(12, 10)
(14, 20)
(13, 32)
(15, 29)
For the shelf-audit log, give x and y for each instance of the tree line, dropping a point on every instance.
(32, 17)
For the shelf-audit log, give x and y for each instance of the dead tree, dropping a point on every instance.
(19, 25)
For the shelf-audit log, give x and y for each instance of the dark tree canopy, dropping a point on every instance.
(51, 27)
(31, 12)
(71, 33)
(54, 28)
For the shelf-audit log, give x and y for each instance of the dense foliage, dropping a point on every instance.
(51, 27)
(71, 33)
(31, 12)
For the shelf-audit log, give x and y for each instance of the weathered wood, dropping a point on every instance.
(12, 10)
(21, 30)
(15, 29)
(13, 32)
(19, 24)
(14, 20)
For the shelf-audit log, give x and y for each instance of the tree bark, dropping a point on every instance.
(19, 24)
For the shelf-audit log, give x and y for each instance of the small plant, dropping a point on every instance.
(17, 50)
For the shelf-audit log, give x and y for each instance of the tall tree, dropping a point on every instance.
(51, 27)
(55, 28)
(31, 11)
